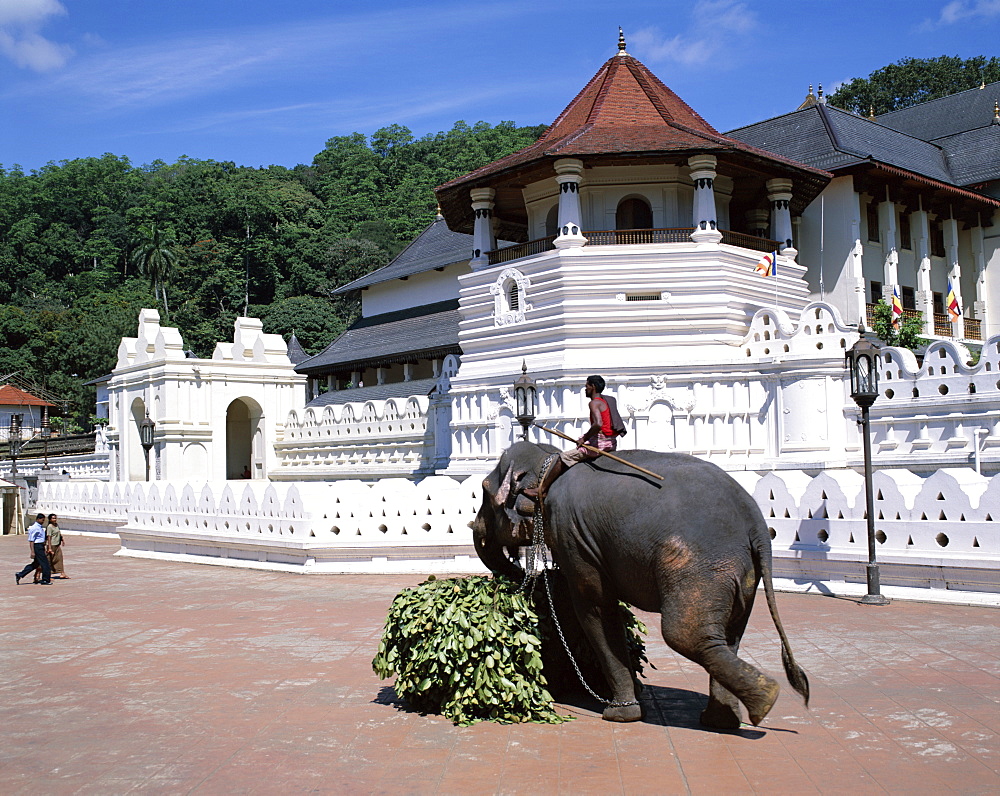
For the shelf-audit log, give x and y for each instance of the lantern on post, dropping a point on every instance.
(146, 428)
(14, 442)
(46, 434)
(525, 400)
(862, 362)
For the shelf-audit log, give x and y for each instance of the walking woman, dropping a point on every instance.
(54, 541)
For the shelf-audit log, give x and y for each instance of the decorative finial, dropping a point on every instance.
(871, 113)
(439, 217)
(621, 42)
(524, 364)
(982, 84)
(810, 89)
(996, 112)
(820, 96)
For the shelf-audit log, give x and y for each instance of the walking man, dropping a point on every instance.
(36, 539)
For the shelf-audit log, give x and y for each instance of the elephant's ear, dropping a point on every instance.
(500, 496)
(491, 485)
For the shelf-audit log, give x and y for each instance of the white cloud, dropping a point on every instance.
(164, 71)
(716, 25)
(20, 41)
(961, 10)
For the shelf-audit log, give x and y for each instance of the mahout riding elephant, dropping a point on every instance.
(693, 548)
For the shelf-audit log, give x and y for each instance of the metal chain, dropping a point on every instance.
(536, 555)
(609, 702)
(536, 562)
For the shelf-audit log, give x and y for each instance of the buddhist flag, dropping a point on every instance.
(768, 265)
(953, 309)
(897, 307)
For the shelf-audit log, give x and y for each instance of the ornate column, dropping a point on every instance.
(482, 234)
(980, 307)
(921, 225)
(857, 267)
(779, 194)
(887, 229)
(954, 274)
(569, 175)
(704, 217)
(758, 223)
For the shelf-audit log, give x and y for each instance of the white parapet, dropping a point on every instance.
(935, 534)
(371, 439)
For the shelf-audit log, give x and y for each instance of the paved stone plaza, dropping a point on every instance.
(146, 676)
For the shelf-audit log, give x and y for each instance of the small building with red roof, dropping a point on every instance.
(30, 408)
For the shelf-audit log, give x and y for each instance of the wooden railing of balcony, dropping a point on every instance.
(520, 250)
(626, 237)
(942, 323)
(749, 241)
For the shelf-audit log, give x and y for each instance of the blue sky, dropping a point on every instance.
(269, 82)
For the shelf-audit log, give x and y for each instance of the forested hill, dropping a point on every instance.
(85, 244)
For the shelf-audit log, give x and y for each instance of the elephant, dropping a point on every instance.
(693, 548)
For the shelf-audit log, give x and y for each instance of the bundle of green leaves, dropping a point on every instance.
(472, 649)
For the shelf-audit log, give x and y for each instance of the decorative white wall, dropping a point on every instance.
(940, 531)
(213, 416)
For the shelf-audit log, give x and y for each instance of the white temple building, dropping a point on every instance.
(623, 242)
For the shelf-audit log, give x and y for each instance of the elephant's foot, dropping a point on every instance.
(623, 713)
(760, 704)
(721, 716)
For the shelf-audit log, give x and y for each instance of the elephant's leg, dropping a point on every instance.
(601, 622)
(723, 709)
(701, 637)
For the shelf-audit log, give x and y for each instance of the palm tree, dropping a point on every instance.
(155, 255)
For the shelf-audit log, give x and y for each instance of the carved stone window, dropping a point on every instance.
(510, 297)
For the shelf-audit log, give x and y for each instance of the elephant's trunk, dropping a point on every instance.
(492, 553)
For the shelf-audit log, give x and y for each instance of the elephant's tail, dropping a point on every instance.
(795, 674)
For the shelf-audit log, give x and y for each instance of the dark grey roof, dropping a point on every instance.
(296, 353)
(400, 389)
(974, 156)
(831, 139)
(435, 247)
(956, 113)
(99, 380)
(427, 331)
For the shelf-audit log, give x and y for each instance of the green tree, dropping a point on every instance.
(314, 321)
(910, 81)
(155, 255)
(906, 336)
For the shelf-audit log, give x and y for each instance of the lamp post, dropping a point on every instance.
(146, 428)
(14, 442)
(525, 400)
(862, 362)
(46, 433)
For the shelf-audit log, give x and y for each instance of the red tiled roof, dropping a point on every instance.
(624, 110)
(13, 396)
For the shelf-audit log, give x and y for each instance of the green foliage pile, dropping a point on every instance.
(86, 243)
(476, 649)
(910, 81)
(467, 648)
(906, 336)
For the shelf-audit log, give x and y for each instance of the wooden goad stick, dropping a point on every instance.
(603, 453)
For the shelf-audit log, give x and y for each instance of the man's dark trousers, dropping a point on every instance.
(42, 560)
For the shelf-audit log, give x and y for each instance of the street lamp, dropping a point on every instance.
(46, 433)
(525, 399)
(146, 428)
(862, 362)
(14, 442)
